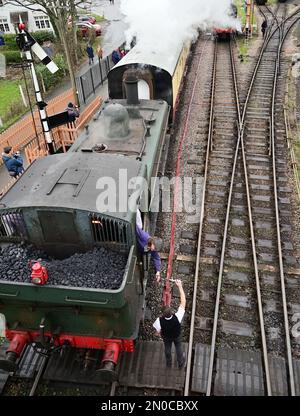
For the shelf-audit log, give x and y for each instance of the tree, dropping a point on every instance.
(59, 12)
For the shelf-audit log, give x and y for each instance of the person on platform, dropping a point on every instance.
(264, 27)
(73, 112)
(99, 52)
(13, 162)
(168, 326)
(115, 56)
(90, 53)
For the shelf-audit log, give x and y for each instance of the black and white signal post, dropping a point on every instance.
(27, 44)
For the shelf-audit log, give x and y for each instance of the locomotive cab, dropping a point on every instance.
(160, 74)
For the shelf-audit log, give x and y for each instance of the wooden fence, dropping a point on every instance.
(22, 132)
(63, 136)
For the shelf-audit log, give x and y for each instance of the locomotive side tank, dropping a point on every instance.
(54, 206)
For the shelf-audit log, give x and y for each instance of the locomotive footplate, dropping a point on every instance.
(146, 367)
(75, 366)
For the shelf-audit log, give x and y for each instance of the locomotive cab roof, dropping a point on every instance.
(69, 181)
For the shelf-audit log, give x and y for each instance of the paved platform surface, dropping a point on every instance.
(146, 367)
(70, 367)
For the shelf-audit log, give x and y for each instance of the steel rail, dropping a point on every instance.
(221, 266)
(279, 243)
(263, 335)
(209, 146)
(252, 233)
(224, 243)
(267, 374)
(208, 151)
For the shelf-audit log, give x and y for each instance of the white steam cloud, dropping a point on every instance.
(162, 24)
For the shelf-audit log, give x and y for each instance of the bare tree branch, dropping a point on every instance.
(19, 3)
(59, 12)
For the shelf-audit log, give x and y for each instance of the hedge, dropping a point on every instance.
(12, 57)
(43, 36)
(10, 42)
(52, 79)
(40, 36)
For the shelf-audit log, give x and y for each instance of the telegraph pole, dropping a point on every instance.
(25, 45)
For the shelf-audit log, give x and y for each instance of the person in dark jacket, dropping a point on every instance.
(264, 26)
(168, 326)
(146, 243)
(13, 162)
(90, 53)
(115, 56)
(73, 112)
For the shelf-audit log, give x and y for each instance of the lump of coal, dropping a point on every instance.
(99, 268)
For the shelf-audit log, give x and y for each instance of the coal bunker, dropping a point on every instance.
(99, 268)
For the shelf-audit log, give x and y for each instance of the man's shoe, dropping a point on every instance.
(181, 365)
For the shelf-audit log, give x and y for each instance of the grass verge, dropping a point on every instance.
(11, 104)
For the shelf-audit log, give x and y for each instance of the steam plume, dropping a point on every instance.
(162, 24)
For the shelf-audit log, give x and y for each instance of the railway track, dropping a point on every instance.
(250, 245)
(242, 168)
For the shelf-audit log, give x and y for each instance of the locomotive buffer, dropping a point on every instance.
(28, 44)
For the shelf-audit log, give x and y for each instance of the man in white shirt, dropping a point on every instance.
(169, 327)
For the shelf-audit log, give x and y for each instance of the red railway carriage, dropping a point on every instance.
(224, 33)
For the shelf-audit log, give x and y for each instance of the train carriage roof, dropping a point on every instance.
(137, 55)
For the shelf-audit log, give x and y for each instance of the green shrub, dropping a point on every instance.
(40, 36)
(12, 57)
(43, 36)
(98, 17)
(10, 42)
(52, 79)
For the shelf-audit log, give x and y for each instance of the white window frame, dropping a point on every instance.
(42, 22)
(4, 25)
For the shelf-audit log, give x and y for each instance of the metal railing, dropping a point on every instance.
(95, 76)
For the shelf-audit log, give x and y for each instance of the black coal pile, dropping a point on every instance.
(99, 268)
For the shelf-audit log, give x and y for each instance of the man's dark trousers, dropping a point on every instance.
(179, 353)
